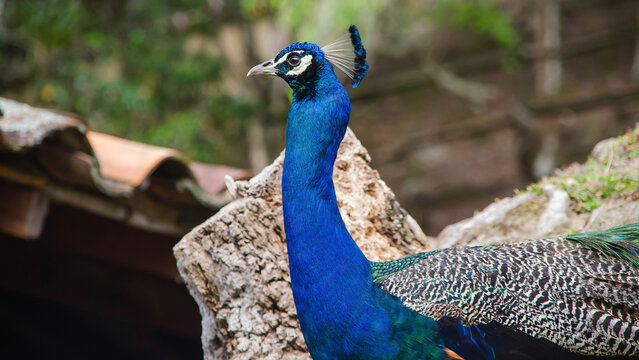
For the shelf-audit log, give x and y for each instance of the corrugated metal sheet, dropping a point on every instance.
(127, 161)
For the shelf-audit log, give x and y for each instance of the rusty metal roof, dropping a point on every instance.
(54, 153)
(126, 160)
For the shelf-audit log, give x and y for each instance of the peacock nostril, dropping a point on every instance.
(267, 63)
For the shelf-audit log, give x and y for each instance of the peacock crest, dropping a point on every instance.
(348, 55)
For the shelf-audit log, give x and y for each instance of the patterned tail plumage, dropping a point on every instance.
(580, 292)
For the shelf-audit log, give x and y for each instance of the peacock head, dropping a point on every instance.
(302, 64)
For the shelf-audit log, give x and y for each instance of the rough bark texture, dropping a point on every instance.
(235, 264)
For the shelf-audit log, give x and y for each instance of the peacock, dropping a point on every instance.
(569, 297)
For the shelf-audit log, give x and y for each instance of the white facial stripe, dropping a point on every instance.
(281, 60)
(285, 56)
(305, 61)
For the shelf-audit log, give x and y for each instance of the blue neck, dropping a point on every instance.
(316, 236)
(342, 313)
(326, 265)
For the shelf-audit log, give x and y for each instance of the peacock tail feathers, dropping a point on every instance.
(621, 242)
(581, 294)
(383, 269)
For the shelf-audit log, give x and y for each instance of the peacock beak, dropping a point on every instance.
(265, 68)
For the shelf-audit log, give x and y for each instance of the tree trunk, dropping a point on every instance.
(548, 35)
(634, 71)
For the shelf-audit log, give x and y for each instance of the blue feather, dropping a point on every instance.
(361, 66)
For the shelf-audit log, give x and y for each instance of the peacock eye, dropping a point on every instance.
(293, 60)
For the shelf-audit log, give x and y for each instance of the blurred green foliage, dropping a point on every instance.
(146, 70)
(318, 20)
(479, 16)
(152, 71)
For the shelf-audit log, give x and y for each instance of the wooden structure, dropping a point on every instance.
(87, 223)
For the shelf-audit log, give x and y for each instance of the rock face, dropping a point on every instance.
(236, 268)
(235, 264)
(596, 195)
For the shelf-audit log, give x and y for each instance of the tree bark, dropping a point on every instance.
(634, 71)
(548, 35)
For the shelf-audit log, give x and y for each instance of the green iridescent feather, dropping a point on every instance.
(621, 242)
